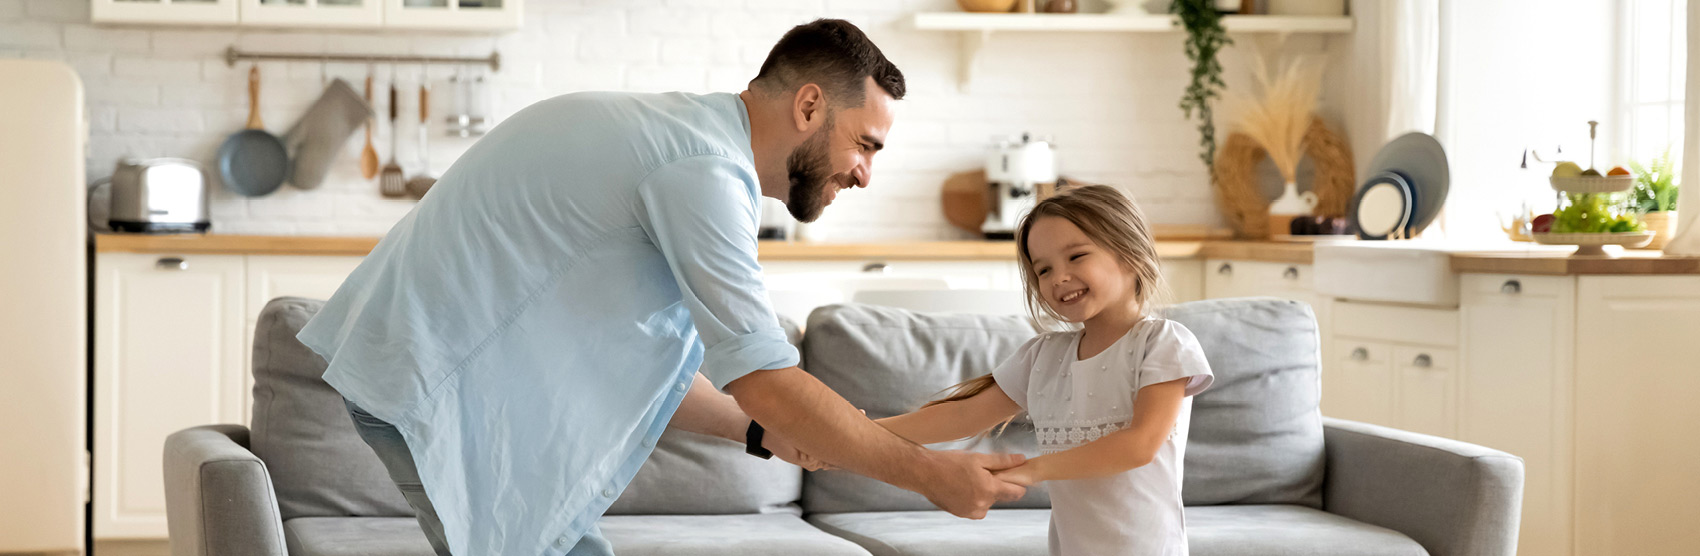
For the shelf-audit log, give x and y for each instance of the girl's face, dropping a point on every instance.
(1077, 278)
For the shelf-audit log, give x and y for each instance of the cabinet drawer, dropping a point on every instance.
(1427, 390)
(1231, 278)
(1515, 285)
(1397, 323)
(1358, 382)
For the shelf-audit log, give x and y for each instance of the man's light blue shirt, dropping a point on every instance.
(532, 325)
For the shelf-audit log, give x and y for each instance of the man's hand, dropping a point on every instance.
(963, 483)
(1026, 474)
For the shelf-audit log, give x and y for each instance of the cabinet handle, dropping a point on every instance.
(876, 267)
(1423, 361)
(1511, 287)
(1360, 354)
(1225, 270)
(1292, 273)
(171, 263)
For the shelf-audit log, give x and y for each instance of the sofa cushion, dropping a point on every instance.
(355, 536)
(1288, 530)
(774, 534)
(1262, 530)
(889, 361)
(691, 473)
(1256, 435)
(301, 429)
(1001, 533)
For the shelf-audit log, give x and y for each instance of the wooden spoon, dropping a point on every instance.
(369, 155)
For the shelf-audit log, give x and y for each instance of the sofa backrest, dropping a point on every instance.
(301, 429)
(889, 361)
(1256, 435)
(320, 467)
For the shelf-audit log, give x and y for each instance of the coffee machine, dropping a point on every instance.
(1015, 170)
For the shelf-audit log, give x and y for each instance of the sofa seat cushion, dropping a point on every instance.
(1287, 530)
(355, 536)
(772, 534)
(1268, 530)
(936, 533)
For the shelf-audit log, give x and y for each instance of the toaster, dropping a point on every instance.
(160, 195)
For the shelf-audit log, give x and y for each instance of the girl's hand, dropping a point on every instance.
(1025, 474)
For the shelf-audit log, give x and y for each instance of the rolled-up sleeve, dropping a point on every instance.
(702, 213)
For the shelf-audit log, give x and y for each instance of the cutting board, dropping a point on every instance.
(964, 197)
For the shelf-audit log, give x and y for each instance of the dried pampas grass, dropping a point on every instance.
(1236, 183)
(1279, 120)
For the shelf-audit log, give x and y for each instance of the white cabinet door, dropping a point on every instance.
(1516, 337)
(312, 13)
(176, 12)
(1358, 384)
(1185, 278)
(493, 15)
(1637, 403)
(1427, 390)
(273, 276)
(168, 356)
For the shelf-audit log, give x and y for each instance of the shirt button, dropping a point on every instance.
(681, 387)
(607, 493)
(561, 542)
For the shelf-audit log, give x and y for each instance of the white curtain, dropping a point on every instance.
(1395, 58)
(1687, 240)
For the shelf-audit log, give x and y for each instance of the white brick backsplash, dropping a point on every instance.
(28, 35)
(161, 121)
(85, 37)
(1108, 99)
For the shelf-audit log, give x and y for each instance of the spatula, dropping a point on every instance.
(369, 155)
(393, 182)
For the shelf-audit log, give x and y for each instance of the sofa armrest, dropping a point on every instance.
(1454, 498)
(218, 495)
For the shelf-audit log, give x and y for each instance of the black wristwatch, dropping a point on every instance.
(752, 441)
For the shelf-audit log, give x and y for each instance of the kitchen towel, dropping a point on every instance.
(314, 140)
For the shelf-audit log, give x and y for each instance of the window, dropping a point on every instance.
(1654, 60)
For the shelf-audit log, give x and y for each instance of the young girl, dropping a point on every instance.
(1110, 401)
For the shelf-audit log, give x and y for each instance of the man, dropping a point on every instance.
(515, 345)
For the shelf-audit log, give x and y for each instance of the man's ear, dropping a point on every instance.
(808, 107)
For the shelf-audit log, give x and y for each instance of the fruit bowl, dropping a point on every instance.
(1592, 184)
(1594, 244)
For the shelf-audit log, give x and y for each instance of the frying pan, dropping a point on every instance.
(253, 162)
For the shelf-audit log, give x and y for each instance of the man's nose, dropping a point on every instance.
(862, 174)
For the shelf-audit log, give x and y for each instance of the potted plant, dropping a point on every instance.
(1654, 197)
(1205, 37)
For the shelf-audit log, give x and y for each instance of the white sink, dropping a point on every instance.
(1416, 272)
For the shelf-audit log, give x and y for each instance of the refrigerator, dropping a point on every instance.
(43, 309)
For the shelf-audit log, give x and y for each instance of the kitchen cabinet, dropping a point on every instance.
(272, 276)
(168, 351)
(444, 15)
(312, 13)
(1518, 333)
(1224, 278)
(170, 12)
(1637, 344)
(1392, 365)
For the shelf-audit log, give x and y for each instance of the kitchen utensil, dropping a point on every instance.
(152, 196)
(1015, 171)
(419, 184)
(964, 200)
(1594, 244)
(468, 119)
(392, 182)
(253, 162)
(369, 154)
(317, 138)
(1420, 160)
(1382, 208)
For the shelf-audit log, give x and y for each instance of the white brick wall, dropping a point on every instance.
(1109, 99)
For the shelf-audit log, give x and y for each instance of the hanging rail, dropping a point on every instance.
(232, 55)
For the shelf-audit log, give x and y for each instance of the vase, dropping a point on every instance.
(1663, 226)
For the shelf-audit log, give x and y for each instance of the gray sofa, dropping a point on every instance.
(1265, 474)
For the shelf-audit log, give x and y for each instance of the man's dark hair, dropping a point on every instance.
(833, 54)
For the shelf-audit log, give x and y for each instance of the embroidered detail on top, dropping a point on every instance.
(1057, 439)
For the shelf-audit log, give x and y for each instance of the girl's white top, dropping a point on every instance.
(1073, 402)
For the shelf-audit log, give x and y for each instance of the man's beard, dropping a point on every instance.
(808, 168)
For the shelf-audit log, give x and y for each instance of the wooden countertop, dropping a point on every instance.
(1563, 263)
(768, 250)
(1292, 252)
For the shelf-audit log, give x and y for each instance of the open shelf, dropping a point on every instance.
(976, 28)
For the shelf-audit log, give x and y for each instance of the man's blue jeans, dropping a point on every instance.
(392, 450)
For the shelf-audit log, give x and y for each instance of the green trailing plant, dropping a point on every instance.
(1205, 37)
(1655, 185)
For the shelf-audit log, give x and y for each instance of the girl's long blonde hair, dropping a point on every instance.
(1113, 222)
